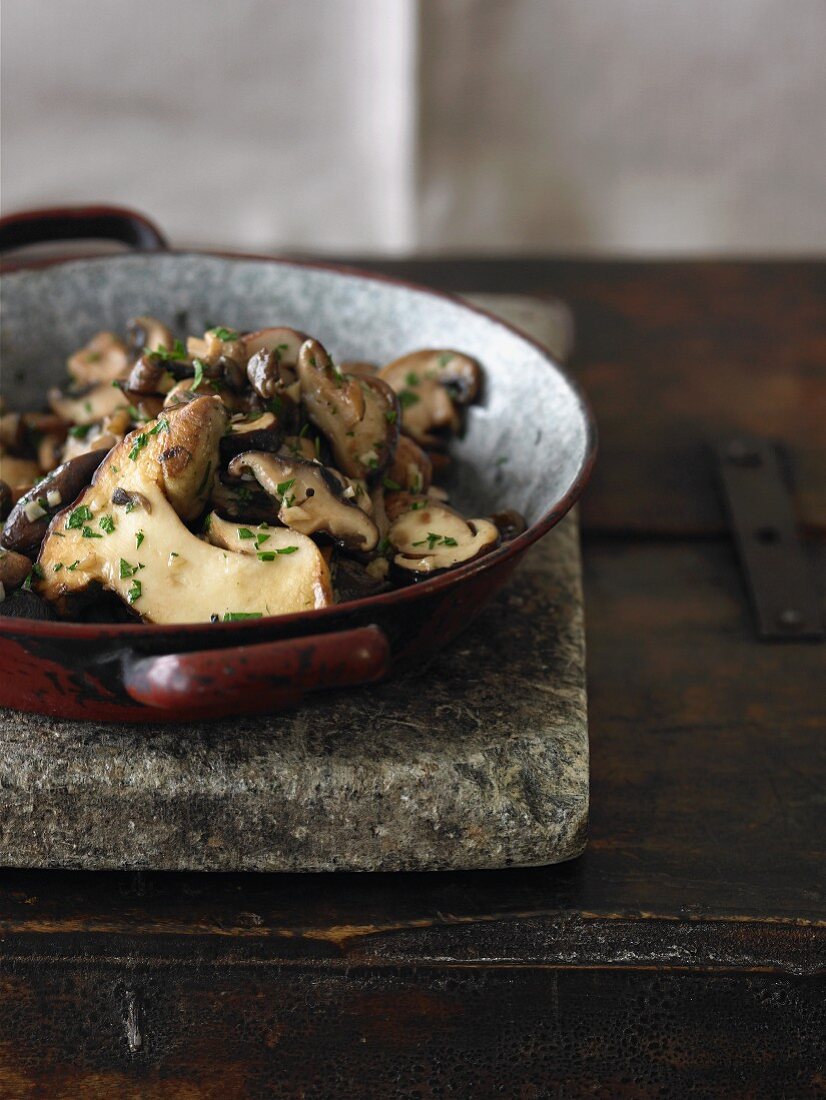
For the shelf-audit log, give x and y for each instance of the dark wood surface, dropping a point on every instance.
(682, 955)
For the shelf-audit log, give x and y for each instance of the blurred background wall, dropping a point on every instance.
(395, 126)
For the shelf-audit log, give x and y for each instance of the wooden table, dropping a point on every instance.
(681, 955)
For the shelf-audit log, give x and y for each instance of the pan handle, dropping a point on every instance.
(248, 679)
(74, 223)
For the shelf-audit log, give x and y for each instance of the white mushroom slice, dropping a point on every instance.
(100, 400)
(103, 359)
(359, 416)
(434, 537)
(430, 384)
(258, 540)
(140, 549)
(217, 342)
(311, 498)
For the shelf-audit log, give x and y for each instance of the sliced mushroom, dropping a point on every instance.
(190, 388)
(103, 359)
(433, 537)
(312, 499)
(141, 551)
(261, 433)
(257, 540)
(14, 568)
(149, 375)
(148, 334)
(354, 581)
(217, 343)
(280, 342)
(29, 519)
(411, 468)
(87, 405)
(510, 523)
(244, 501)
(359, 416)
(430, 384)
(18, 472)
(12, 432)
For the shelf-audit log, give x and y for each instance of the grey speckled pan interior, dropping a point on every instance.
(526, 441)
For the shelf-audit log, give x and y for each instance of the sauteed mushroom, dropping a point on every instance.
(147, 556)
(29, 520)
(104, 359)
(430, 384)
(220, 464)
(430, 537)
(359, 416)
(312, 500)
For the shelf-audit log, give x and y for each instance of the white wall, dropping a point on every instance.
(391, 125)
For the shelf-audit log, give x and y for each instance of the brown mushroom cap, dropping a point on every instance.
(282, 342)
(411, 468)
(148, 334)
(430, 384)
(14, 568)
(29, 519)
(312, 498)
(103, 359)
(359, 416)
(253, 433)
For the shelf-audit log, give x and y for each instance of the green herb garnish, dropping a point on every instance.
(408, 398)
(389, 483)
(391, 416)
(245, 533)
(178, 352)
(224, 333)
(140, 442)
(80, 431)
(107, 524)
(78, 517)
(134, 592)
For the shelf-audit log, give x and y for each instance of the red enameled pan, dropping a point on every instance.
(529, 445)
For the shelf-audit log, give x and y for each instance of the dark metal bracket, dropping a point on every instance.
(777, 572)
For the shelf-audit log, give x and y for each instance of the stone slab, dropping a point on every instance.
(479, 760)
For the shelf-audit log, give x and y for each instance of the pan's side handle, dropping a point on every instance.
(74, 223)
(258, 677)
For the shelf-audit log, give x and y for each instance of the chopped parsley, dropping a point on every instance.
(140, 442)
(134, 592)
(245, 533)
(270, 555)
(139, 537)
(282, 491)
(127, 570)
(389, 483)
(412, 379)
(260, 539)
(80, 431)
(88, 533)
(36, 571)
(58, 565)
(178, 352)
(161, 426)
(383, 546)
(224, 333)
(71, 568)
(416, 505)
(198, 376)
(237, 616)
(78, 517)
(408, 398)
(391, 416)
(445, 358)
(434, 540)
(107, 524)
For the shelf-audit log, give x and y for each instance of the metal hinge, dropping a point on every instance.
(777, 572)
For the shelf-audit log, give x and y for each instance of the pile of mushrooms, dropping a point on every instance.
(235, 476)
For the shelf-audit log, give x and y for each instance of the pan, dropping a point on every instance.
(529, 444)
